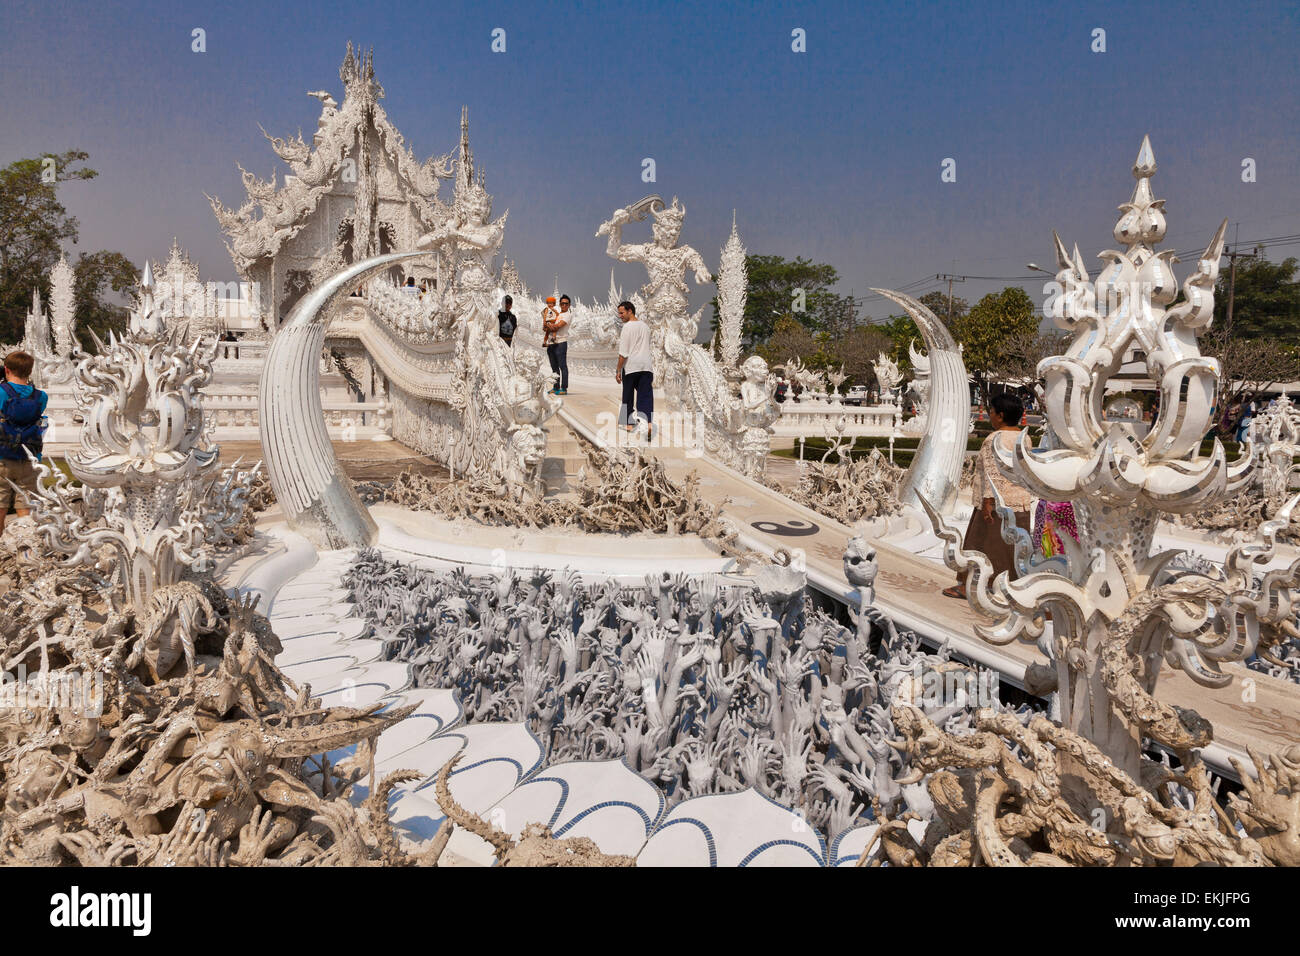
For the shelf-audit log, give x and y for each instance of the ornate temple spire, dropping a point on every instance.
(36, 337)
(146, 320)
(358, 75)
(465, 156)
(1142, 219)
(731, 297)
(63, 318)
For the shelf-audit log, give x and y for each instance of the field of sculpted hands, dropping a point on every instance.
(700, 686)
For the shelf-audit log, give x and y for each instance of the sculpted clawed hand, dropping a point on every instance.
(619, 217)
(633, 733)
(188, 842)
(591, 618)
(859, 775)
(760, 679)
(547, 707)
(568, 645)
(756, 617)
(819, 814)
(701, 765)
(654, 742)
(812, 639)
(709, 645)
(844, 814)
(690, 657)
(794, 668)
(830, 781)
(256, 838)
(534, 626)
(794, 761)
(656, 646)
(801, 713)
(86, 847)
(470, 648)
(505, 586)
(532, 678)
(753, 763)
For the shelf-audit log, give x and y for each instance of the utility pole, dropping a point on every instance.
(1232, 285)
(951, 280)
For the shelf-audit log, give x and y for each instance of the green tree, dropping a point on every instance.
(990, 329)
(937, 302)
(772, 291)
(34, 225)
(856, 352)
(900, 330)
(791, 339)
(96, 273)
(1266, 300)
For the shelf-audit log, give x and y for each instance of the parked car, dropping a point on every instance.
(858, 395)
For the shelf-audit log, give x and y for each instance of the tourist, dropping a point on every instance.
(1243, 426)
(1051, 520)
(22, 412)
(984, 532)
(635, 370)
(410, 288)
(506, 321)
(556, 328)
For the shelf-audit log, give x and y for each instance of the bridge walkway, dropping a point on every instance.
(908, 587)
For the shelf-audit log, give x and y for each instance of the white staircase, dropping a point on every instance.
(564, 459)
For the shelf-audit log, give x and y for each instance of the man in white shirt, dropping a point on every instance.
(635, 370)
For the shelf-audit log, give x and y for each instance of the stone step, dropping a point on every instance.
(563, 448)
(564, 459)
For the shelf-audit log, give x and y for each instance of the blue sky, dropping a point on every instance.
(832, 154)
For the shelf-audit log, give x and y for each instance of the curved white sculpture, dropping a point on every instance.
(935, 471)
(318, 499)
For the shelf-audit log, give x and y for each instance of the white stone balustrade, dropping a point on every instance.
(816, 419)
(233, 415)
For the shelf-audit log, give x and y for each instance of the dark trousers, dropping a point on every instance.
(559, 356)
(640, 384)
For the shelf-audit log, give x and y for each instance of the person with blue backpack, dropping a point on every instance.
(22, 429)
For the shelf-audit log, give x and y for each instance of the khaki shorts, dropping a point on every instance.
(22, 474)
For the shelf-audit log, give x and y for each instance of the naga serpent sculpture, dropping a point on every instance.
(935, 471)
(318, 498)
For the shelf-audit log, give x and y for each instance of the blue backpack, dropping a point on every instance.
(21, 423)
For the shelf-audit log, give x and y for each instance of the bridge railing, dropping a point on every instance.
(813, 420)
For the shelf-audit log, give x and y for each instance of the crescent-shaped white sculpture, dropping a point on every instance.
(318, 500)
(936, 467)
